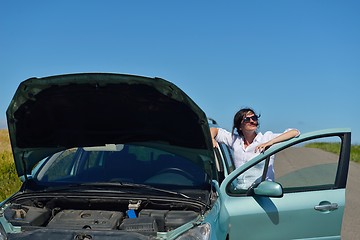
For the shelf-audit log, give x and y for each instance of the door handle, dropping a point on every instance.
(327, 207)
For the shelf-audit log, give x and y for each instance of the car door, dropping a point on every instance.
(312, 180)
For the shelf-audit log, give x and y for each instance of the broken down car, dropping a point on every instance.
(115, 156)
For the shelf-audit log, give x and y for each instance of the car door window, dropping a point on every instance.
(305, 166)
(228, 157)
(308, 166)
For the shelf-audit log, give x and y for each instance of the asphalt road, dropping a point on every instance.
(351, 221)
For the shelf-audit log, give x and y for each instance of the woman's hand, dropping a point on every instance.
(215, 143)
(214, 132)
(262, 147)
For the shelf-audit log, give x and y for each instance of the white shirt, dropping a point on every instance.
(243, 154)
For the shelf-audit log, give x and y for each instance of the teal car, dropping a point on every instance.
(115, 156)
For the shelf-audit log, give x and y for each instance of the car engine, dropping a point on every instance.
(80, 215)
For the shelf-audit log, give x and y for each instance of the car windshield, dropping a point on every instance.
(150, 164)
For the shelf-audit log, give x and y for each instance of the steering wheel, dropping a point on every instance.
(177, 171)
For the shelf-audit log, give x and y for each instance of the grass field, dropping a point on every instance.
(9, 181)
(334, 148)
(4, 141)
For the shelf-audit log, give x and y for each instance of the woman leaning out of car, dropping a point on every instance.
(248, 142)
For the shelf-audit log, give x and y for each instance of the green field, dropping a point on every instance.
(334, 148)
(9, 181)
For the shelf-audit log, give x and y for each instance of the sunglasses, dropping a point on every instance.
(247, 119)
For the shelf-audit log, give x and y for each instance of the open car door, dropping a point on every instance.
(306, 199)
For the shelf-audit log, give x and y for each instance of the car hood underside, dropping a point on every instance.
(54, 113)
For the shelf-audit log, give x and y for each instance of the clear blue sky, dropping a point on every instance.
(295, 62)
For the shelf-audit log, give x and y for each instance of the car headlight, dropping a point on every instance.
(201, 232)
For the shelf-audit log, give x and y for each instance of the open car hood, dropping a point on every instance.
(50, 114)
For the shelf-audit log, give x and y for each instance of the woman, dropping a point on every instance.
(248, 143)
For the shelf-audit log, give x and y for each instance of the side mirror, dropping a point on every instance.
(23, 179)
(268, 189)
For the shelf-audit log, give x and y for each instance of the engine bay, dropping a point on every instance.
(106, 214)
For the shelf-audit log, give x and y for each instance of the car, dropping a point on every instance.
(119, 156)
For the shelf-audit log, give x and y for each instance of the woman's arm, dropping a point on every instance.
(282, 137)
(214, 133)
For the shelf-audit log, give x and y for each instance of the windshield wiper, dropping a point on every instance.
(117, 185)
(155, 188)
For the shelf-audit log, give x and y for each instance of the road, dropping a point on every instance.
(306, 157)
(351, 221)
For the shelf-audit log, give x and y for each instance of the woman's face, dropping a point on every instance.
(249, 122)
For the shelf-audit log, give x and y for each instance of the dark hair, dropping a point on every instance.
(238, 118)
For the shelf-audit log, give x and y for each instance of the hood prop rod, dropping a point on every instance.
(24, 164)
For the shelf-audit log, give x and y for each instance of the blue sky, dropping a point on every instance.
(295, 62)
